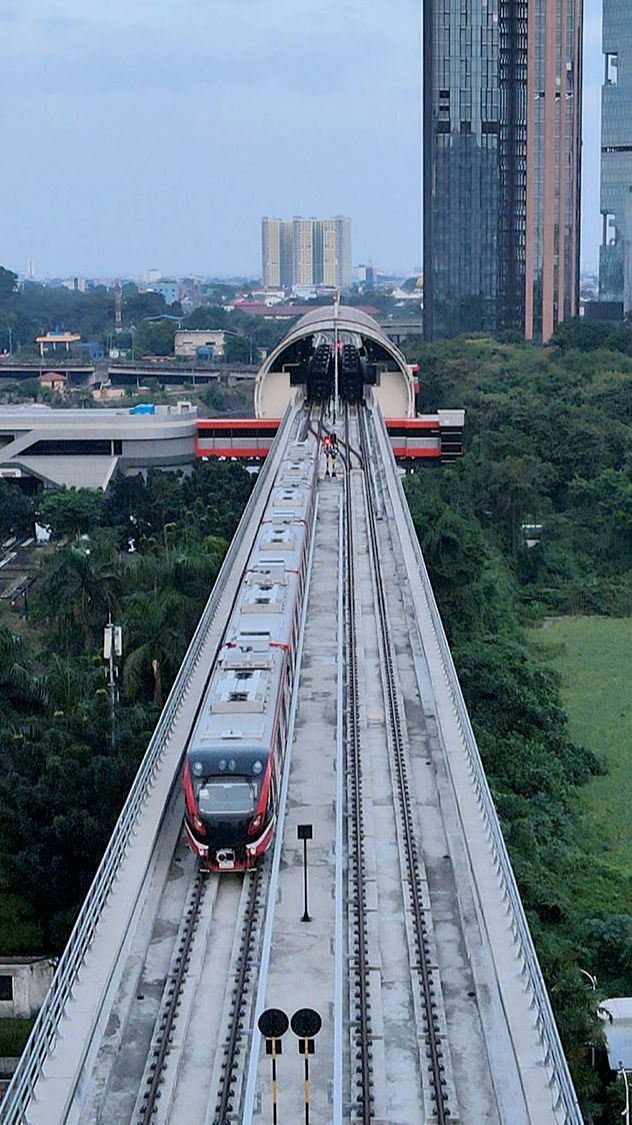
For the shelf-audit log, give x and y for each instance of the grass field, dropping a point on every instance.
(593, 655)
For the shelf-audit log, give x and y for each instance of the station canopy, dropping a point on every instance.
(307, 357)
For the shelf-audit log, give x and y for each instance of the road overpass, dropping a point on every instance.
(418, 956)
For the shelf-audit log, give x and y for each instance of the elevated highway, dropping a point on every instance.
(418, 956)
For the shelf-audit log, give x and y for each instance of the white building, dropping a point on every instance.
(85, 448)
(24, 983)
(187, 341)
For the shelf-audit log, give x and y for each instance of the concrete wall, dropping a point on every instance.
(392, 395)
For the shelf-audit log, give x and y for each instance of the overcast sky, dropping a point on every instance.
(154, 133)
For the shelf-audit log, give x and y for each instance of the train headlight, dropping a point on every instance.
(257, 822)
(199, 825)
(257, 766)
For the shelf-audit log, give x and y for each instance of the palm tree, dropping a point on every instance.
(77, 594)
(156, 627)
(21, 693)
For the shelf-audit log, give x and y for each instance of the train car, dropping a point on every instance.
(234, 761)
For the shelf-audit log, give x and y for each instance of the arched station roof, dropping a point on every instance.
(395, 390)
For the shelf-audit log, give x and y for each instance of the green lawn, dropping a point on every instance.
(593, 655)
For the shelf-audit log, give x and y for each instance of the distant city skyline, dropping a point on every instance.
(141, 133)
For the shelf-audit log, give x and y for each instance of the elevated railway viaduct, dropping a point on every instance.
(418, 955)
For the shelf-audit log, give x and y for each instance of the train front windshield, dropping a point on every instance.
(232, 796)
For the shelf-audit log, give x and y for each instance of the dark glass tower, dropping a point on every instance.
(616, 151)
(501, 164)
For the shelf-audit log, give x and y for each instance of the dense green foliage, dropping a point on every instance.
(549, 443)
(28, 311)
(16, 511)
(63, 777)
(13, 1036)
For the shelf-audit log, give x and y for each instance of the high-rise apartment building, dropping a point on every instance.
(276, 253)
(336, 252)
(502, 106)
(616, 152)
(306, 252)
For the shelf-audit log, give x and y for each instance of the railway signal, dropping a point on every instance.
(305, 833)
(273, 1024)
(306, 1023)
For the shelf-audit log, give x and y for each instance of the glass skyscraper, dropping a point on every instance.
(616, 149)
(502, 103)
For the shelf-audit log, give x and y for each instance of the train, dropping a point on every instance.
(233, 764)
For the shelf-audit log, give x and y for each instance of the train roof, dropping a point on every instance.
(240, 704)
(234, 729)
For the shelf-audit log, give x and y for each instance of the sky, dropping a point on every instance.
(142, 134)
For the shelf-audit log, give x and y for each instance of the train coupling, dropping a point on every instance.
(225, 858)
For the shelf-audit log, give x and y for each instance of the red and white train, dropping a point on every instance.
(234, 760)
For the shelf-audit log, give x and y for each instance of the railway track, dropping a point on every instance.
(215, 904)
(424, 977)
(361, 1002)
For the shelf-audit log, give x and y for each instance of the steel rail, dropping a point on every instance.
(46, 1028)
(224, 1109)
(339, 944)
(242, 972)
(167, 1019)
(266, 945)
(554, 1057)
(355, 830)
(405, 801)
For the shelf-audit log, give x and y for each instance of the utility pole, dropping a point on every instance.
(112, 649)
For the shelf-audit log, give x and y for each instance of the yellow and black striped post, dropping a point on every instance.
(273, 1023)
(306, 1023)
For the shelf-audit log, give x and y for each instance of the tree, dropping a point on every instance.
(238, 349)
(136, 306)
(16, 510)
(155, 338)
(8, 284)
(585, 335)
(155, 638)
(73, 511)
(76, 595)
(21, 692)
(207, 316)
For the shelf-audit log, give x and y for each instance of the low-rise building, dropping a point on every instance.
(187, 342)
(85, 448)
(24, 982)
(54, 381)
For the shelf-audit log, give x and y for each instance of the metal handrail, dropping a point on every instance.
(548, 1030)
(45, 1029)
